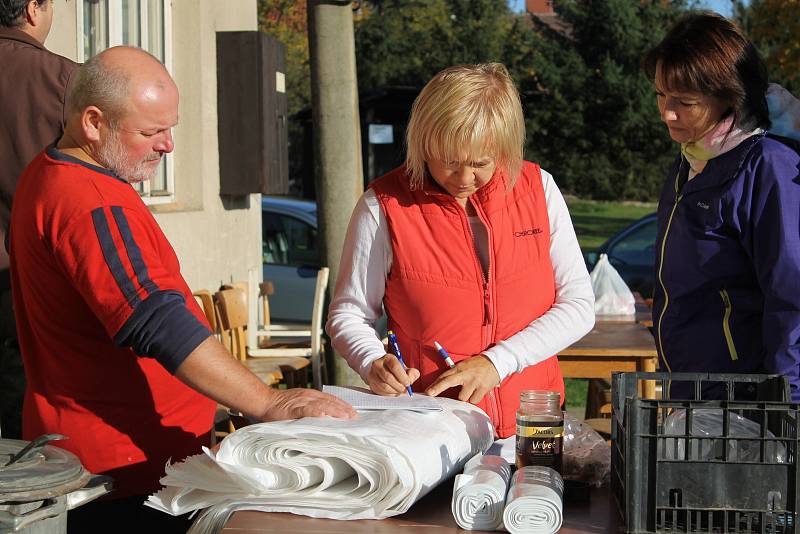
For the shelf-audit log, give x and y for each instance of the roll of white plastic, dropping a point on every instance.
(479, 494)
(372, 467)
(535, 501)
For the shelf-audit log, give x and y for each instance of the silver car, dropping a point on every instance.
(290, 256)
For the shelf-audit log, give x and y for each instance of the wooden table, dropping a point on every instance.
(430, 515)
(609, 347)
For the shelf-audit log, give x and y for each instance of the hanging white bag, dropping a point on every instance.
(611, 294)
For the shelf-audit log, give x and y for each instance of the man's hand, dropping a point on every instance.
(211, 370)
(387, 376)
(476, 376)
(297, 403)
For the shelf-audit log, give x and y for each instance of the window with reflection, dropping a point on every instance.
(141, 23)
(288, 241)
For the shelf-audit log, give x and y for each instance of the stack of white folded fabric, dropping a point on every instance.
(479, 494)
(373, 467)
(535, 501)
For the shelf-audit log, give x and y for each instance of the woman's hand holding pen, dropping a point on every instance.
(388, 377)
(476, 376)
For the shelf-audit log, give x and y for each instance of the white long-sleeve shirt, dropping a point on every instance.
(367, 261)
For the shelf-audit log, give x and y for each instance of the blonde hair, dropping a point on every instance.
(466, 111)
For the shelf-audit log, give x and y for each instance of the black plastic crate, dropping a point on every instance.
(724, 482)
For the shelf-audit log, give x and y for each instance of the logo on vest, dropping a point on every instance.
(525, 233)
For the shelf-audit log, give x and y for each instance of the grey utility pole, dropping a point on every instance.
(336, 134)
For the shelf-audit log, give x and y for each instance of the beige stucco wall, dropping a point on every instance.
(216, 241)
(63, 37)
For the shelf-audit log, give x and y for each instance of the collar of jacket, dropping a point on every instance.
(721, 169)
(432, 189)
(18, 35)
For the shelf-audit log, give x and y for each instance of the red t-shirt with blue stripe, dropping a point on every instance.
(104, 318)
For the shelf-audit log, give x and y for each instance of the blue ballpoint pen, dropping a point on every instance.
(443, 353)
(396, 350)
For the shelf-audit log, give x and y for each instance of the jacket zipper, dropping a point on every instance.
(678, 198)
(491, 403)
(486, 277)
(726, 325)
(494, 408)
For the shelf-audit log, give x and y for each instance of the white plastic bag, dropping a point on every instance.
(611, 295)
(707, 423)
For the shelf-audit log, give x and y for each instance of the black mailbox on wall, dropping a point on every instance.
(251, 114)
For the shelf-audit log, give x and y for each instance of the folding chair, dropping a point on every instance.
(311, 347)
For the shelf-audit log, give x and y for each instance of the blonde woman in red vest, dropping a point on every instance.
(467, 245)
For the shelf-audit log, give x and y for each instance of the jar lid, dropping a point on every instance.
(539, 394)
(44, 473)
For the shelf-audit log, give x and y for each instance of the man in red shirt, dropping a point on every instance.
(118, 356)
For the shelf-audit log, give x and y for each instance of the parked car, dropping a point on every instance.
(632, 252)
(290, 256)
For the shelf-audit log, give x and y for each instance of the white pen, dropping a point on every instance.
(443, 353)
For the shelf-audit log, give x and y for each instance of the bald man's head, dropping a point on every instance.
(121, 108)
(110, 79)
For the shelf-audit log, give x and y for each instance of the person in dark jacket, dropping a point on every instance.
(33, 88)
(727, 295)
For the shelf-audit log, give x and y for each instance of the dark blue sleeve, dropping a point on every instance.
(162, 327)
(774, 245)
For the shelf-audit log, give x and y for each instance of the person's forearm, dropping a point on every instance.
(572, 313)
(355, 342)
(214, 372)
(358, 298)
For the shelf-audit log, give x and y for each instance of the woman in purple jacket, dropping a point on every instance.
(727, 295)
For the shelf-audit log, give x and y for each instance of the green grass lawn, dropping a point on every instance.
(594, 223)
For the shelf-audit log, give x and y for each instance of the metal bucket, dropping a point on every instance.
(40, 483)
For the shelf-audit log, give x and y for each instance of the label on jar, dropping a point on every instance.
(539, 442)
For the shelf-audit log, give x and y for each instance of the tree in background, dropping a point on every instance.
(406, 42)
(774, 26)
(590, 113)
(593, 117)
(287, 21)
(550, 74)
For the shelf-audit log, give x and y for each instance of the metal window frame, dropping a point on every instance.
(114, 22)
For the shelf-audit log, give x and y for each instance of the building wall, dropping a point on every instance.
(63, 37)
(216, 239)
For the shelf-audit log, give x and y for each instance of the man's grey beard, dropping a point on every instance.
(111, 155)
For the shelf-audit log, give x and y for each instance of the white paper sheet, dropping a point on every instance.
(374, 467)
(362, 400)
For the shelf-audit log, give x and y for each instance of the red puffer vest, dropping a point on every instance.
(437, 291)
